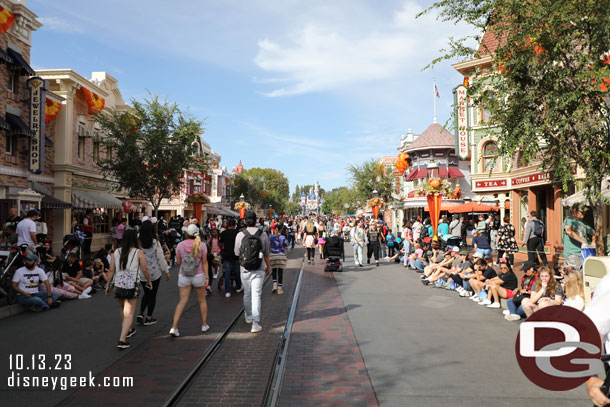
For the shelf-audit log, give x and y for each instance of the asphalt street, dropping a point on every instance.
(427, 346)
(86, 330)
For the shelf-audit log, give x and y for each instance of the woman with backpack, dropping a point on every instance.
(277, 259)
(155, 260)
(124, 273)
(191, 256)
(310, 236)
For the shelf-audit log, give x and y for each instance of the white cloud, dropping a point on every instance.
(61, 25)
(324, 56)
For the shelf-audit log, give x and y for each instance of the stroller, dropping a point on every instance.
(334, 251)
(72, 244)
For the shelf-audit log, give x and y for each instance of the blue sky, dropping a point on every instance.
(303, 87)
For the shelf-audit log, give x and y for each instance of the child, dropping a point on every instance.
(89, 272)
(390, 243)
(99, 271)
(277, 259)
(575, 295)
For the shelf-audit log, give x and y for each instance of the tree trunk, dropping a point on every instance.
(599, 228)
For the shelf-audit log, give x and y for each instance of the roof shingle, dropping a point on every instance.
(434, 136)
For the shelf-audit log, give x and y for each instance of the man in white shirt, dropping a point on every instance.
(358, 240)
(25, 283)
(26, 230)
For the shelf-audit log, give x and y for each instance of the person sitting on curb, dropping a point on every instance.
(75, 274)
(502, 286)
(437, 261)
(515, 309)
(483, 273)
(549, 293)
(439, 270)
(25, 282)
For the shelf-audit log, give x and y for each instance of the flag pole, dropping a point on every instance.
(434, 97)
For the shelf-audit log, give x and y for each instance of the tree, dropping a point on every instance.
(336, 199)
(152, 147)
(292, 208)
(550, 79)
(368, 177)
(262, 187)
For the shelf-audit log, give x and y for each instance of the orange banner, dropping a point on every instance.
(434, 207)
(197, 211)
(52, 109)
(6, 19)
(94, 101)
(375, 209)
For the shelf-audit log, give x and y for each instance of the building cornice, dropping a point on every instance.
(467, 66)
(70, 75)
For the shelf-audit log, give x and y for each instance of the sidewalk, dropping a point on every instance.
(324, 365)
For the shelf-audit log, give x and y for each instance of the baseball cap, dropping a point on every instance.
(478, 255)
(455, 249)
(192, 230)
(32, 256)
(527, 265)
(145, 218)
(464, 252)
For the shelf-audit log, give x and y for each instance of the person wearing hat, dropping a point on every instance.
(524, 290)
(193, 247)
(451, 264)
(252, 280)
(576, 233)
(25, 282)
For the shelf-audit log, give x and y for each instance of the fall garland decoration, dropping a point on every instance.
(6, 19)
(242, 205)
(95, 102)
(376, 202)
(403, 162)
(197, 198)
(435, 186)
(52, 109)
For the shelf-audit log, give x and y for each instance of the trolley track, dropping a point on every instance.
(275, 378)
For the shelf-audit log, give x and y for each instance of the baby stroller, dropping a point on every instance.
(72, 244)
(333, 253)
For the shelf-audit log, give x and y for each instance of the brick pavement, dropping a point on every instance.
(160, 363)
(238, 373)
(324, 365)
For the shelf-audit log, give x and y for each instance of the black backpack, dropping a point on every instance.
(538, 228)
(250, 251)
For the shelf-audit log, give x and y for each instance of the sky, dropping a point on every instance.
(305, 87)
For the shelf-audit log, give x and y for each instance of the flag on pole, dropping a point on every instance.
(436, 91)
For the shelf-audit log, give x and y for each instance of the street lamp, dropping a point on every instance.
(270, 211)
(434, 200)
(242, 198)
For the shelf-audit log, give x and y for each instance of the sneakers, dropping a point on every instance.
(506, 312)
(425, 282)
(240, 289)
(140, 319)
(360, 265)
(512, 317)
(150, 321)
(485, 302)
(131, 333)
(280, 290)
(174, 332)
(495, 305)
(248, 319)
(215, 275)
(368, 261)
(205, 328)
(122, 345)
(376, 264)
(256, 328)
(228, 295)
(84, 296)
(274, 289)
(476, 299)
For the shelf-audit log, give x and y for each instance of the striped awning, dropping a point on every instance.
(48, 201)
(86, 199)
(20, 63)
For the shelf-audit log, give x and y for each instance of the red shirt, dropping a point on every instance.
(88, 224)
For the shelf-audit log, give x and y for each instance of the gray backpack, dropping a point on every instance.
(189, 266)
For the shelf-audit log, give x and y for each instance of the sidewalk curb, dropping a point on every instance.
(10, 310)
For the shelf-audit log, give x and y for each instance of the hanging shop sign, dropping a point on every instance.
(37, 123)
(529, 179)
(460, 101)
(497, 183)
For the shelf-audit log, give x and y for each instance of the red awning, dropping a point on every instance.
(454, 172)
(471, 207)
(417, 173)
(446, 206)
(442, 172)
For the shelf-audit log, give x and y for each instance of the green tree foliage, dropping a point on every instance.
(262, 187)
(292, 208)
(549, 90)
(335, 200)
(152, 146)
(370, 176)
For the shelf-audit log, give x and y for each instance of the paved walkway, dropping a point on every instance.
(324, 365)
(426, 346)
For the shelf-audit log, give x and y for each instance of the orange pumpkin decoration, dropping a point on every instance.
(435, 183)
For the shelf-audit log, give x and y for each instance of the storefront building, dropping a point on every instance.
(515, 186)
(79, 144)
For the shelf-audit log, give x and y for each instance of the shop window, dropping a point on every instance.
(81, 148)
(11, 144)
(101, 219)
(489, 156)
(108, 152)
(96, 151)
(13, 81)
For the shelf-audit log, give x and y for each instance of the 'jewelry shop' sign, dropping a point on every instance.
(37, 124)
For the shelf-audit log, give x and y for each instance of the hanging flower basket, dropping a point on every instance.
(197, 198)
(435, 186)
(242, 205)
(376, 202)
